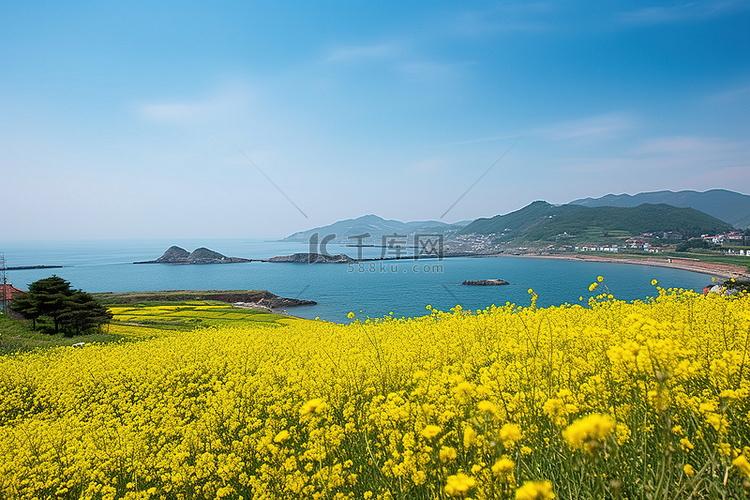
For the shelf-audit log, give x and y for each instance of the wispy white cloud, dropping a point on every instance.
(220, 105)
(728, 177)
(479, 140)
(684, 11)
(685, 145)
(507, 18)
(669, 161)
(358, 53)
(741, 94)
(430, 69)
(396, 57)
(427, 166)
(595, 128)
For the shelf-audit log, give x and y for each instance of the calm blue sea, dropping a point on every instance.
(371, 289)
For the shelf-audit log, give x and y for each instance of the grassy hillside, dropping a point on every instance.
(541, 221)
(17, 336)
(728, 206)
(162, 316)
(520, 222)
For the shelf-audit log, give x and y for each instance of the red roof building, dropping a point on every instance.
(9, 292)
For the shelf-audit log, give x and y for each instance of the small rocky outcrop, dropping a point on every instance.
(313, 258)
(177, 255)
(491, 282)
(271, 302)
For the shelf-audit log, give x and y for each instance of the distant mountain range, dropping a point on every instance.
(690, 213)
(728, 206)
(376, 227)
(541, 221)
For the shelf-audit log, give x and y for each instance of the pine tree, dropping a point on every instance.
(71, 311)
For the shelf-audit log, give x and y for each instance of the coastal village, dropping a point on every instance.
(735, 243)
(645, 242)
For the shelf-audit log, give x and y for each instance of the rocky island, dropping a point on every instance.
(490, 282)
(313, 258)
(177, 255)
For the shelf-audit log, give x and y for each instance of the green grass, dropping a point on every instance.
(170, 297)
(138, 321)
(710, 257)
(17, 336)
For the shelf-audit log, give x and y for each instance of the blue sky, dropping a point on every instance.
(204, 119)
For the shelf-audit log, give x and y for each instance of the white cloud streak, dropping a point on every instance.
(686, 145)
(508, 18)
(685, 11)
(225, 103)
(360, 53)
(595, 128)
(736, 95)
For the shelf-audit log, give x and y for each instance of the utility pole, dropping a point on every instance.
(4, 278)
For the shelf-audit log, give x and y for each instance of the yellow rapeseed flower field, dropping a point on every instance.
(607, 400)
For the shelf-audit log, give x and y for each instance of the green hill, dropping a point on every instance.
(517, 224)
(726, 205)
(541, 221)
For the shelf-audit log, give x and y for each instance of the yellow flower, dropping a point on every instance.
(313, 406)
(623, 433)
(600, 278)
(688, 470)
(586, 432)
(459, 485)
(281, 437)
(486, 407)
(202, 409)
(654, 282)
(464, 389)
(430, 431)
(419, 477)
(469, 436)
(503, 466)
(530, 290)
(686, 445)
(535, 490)
(447, 454)
(510, 433)
(350, 315)
(593, 286)
(742, 464)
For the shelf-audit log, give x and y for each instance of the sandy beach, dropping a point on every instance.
(726, 271)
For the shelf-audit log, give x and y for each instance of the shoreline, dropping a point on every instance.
(727, 271)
